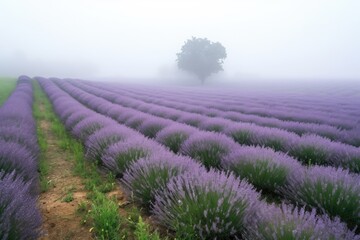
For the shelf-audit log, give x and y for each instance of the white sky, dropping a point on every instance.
(107, 38)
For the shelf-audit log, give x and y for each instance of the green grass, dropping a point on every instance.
(69, 197)
(107, 221)
(39, 98)
(7, 85)
(142, 231)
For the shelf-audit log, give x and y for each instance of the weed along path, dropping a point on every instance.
(62, 190)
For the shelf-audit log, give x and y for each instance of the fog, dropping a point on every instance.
(115, 39)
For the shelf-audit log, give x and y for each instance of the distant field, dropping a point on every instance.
(7, 85)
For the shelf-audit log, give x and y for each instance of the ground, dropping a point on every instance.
(61, 220)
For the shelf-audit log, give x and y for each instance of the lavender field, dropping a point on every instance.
(197, 163)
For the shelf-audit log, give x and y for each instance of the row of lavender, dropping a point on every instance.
(280, 100)
(255, 100)
(330, 101)
(180, 192)
(309, 149)
(19, 214)
(201, 109)
(266, 169)
(343, 121)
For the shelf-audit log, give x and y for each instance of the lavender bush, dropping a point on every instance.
(151, 126)
(21, 136)
(88, 126)
(99, 141)
(264, 168)
(292, 223)
(332, 191)
(147, 176)
(208, 148)
(120, 155)
(206, 205)
(75, 117)
(16, 158)
(19, 216)
(174, 136)
(136, 120)
(240, 134)
(215, 124)
(191, 119)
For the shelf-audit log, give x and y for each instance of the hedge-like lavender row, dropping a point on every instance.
(332, 107)
(266, 169)
(310, 149)
(335, 119)
(299, 128)
(192, 211)
(198, 111)
(261, 115)
(19, 215)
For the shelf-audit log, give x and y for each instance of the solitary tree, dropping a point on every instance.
(201, 57)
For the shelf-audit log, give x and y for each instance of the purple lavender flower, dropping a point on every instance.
(76, 117)
(99, 141)
(174, 135)
(114, 111)
(313, 149)
(21, 135)
(206, 205)
(241, 133)
(89, 125)
(19, 216)
(15, 157)
(215, 124)
(208, 148)
(120, 155)
(192, 119)
(151, 126)
(125, 115)
(264, 168)
(288, 222)
(277, 139)
(335, 192)
(136, 120)
(148, 175)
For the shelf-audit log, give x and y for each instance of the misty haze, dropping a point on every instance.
(165, 120)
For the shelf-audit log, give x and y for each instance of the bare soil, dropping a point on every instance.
(60, 220)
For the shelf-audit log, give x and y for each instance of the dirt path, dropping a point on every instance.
(60, 218)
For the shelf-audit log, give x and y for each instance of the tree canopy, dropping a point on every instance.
(201, 57)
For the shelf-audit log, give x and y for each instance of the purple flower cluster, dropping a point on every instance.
(335, 192)
(151, 126)
(174, 136)
(98, 142)
(147, 176)
(208, 148)
(119, 156)
(19, 215)
(288, 222)
(298, 125)
(89, 125)
(14, 156)
(264, 168)
(206, 205)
